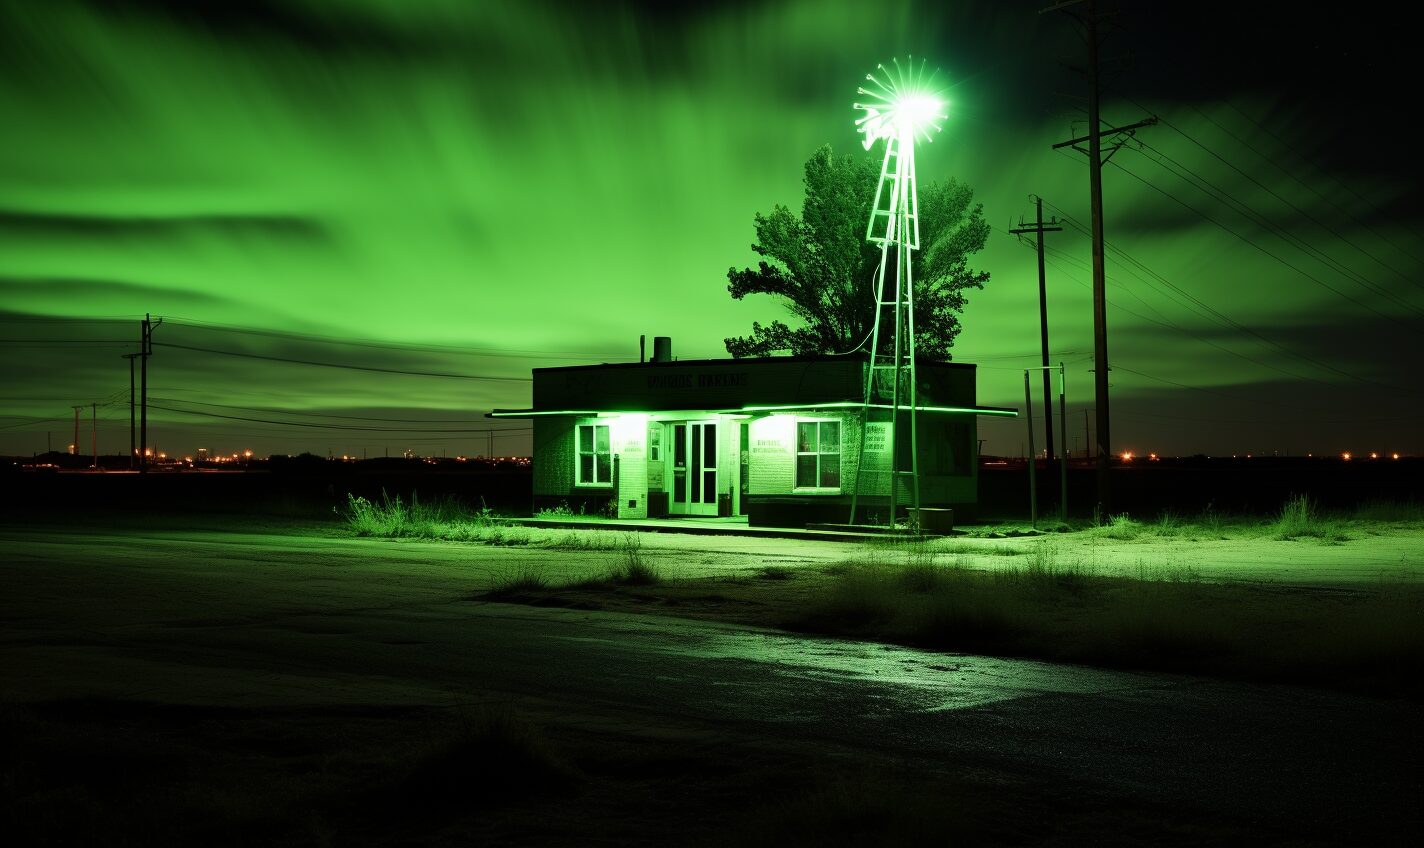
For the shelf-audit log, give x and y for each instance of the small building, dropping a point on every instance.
(775, 439)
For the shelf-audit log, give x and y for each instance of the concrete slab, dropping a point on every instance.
(701, 526)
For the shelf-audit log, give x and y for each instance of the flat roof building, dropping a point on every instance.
(775, 439)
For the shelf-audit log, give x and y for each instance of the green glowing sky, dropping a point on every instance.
(544, 182)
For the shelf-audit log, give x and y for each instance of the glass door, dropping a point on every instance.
(694, 468)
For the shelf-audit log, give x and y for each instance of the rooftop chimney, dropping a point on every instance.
(662, 348)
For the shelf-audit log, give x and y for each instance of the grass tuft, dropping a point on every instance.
(517, 582)
(635, 570)
(447, 520)
(1299, 517)
(1120, 527)
(391, 517)
(1296, 519)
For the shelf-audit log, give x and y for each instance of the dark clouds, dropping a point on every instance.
(561, 177)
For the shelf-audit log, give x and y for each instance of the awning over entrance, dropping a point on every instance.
(999, 411)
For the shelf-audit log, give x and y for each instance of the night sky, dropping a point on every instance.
(481, 188)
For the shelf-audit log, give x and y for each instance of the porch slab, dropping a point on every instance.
(707, 526)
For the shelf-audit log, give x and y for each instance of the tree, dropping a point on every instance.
(825, 269)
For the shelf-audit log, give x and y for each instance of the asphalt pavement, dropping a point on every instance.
(227, 620)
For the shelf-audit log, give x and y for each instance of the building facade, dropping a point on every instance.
(775, 439)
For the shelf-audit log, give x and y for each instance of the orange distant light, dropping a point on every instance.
(1374, 455)
(1394, 456)
(1345, 456)
(1127, 456)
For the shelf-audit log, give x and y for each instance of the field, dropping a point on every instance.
(1322, 599)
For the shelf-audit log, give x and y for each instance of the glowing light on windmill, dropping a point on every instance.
(900, 106)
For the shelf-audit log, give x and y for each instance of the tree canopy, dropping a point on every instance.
(824, 269)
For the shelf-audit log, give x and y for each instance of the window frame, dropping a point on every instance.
(797, 453)
(580, 453)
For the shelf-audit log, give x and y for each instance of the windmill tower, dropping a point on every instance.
(899, 108)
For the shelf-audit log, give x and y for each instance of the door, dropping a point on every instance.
(694, 468)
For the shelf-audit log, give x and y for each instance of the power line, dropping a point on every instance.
(1171, 325)
(1265, 422)
(68, 341)
(324, 426)
(1223, 196)
(30, 423)
(1225, 320)
(192, 323)
(360, 440)
(1196, 336)
(1311, 189)
(1204, 216)
(339, 365)
(1164, 322)
(15, 318)
(312, 414)
(1204, 341)
(514, 353)
(1341, 236)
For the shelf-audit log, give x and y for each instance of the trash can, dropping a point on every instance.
(936, 520)
(724, 505)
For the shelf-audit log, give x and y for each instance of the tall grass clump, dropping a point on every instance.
(391, 517)
(1296, 518)
(922, 571)
(517, 582)
(1167, 525)
(1120, 527)
(634, 570)
(1300, 517)
(1211, 522)
(1044, 572)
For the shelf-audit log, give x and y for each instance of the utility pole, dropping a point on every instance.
(1038, 229)
(1089, 21)
(143, 417)
(74, 448)
(131, 357)
(1063, 433)
(94, 432)
(146, 350)
(1032, 458)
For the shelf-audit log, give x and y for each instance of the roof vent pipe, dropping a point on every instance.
(662, 348)
(642, 348)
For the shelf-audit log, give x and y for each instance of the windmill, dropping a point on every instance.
(900, 107)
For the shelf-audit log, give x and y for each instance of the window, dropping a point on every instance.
(655, 442)
(818, 454)
(595, 458)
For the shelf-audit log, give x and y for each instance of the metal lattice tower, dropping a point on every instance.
(902, 109)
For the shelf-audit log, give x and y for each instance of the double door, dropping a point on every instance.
(693, 481)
